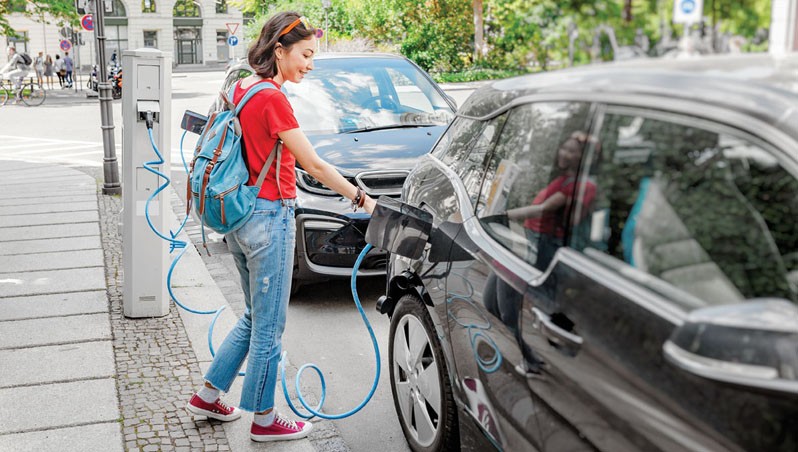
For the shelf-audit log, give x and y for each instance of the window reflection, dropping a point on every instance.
(706, 212)
(531, 180)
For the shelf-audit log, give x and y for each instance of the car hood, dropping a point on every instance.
(391, 149)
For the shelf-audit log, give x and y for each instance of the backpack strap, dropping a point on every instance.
(277, 151)
(258, 87)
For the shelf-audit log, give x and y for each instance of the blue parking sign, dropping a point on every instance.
(232, 40)
(687, 11)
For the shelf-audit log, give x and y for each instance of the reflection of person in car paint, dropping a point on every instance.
(544, 218)
(505, 302)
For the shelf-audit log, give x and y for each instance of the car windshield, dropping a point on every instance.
(358, 94)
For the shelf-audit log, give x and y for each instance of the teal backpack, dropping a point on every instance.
(217, 184)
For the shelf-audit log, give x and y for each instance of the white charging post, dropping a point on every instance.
(146, 88)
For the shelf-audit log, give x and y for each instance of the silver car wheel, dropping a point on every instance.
(415, 371)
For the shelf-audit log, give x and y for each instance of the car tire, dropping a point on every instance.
(419, 384)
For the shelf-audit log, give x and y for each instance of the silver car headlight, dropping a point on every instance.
(310, 184)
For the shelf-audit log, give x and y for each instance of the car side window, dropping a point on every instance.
(704, 210)
(457, 141)
(530, 178)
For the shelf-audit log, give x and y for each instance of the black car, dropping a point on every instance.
(371, 116)
(612, 265)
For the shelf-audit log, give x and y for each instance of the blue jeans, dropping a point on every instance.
(263, 249)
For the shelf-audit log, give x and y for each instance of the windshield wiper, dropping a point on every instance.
(393, 126)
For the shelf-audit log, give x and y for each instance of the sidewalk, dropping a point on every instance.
(76, 374)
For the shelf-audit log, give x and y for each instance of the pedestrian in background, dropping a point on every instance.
(69, 66)
(38, 66)
(263, 248)
(59, 70)
(48, 71)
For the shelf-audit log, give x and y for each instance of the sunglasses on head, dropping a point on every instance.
(305, 23)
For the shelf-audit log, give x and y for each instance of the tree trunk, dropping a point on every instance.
(627, 10)
(479, 26)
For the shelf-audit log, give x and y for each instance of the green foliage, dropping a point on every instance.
(519, 35)
(475, 74)
(60, 11)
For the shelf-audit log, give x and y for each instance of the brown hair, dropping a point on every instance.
(261, 55)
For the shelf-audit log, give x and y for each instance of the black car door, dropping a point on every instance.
(487, 292)
(668, 323)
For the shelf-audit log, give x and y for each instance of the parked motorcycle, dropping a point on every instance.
(92, 83)
(115, 77)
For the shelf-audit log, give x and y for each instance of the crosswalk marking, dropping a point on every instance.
(63, 152)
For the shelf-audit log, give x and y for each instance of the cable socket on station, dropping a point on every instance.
(149, 111)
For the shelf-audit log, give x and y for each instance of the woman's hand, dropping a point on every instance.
(369, 205)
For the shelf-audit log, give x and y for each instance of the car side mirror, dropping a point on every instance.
(452, 101)
(752, 344)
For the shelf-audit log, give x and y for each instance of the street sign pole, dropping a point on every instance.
(111, 185)
(326, 5)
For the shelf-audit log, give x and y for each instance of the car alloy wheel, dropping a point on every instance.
(419, 380)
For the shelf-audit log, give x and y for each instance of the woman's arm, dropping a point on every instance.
(551, 204)
(296, 140)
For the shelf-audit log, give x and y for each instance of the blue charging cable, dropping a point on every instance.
(316, 411)
(175, 243)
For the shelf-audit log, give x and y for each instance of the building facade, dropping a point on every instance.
(784, 26)
(194, 32)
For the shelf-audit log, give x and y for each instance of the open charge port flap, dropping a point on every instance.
(143, 106)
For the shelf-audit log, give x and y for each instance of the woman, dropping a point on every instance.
(283, 52)
(544, 219)
(38, 66)
(60, 69)
(48, 70)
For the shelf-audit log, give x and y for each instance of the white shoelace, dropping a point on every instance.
(285, 422)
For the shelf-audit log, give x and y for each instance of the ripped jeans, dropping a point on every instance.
(263, 249)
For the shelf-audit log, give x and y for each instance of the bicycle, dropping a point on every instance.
(31, 93)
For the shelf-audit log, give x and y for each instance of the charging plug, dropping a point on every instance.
(148, 111)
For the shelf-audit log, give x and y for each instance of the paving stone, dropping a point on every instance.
(70, 362)
(51, 261)
(103, 437)
(53, 405)
(18, 284)
(54, 305)
(50, 245)
(54, 330)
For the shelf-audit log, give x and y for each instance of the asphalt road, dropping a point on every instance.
(323, 325)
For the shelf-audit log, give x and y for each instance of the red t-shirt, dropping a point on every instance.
(265, 115)
(551, 223)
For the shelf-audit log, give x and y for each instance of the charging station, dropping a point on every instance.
(146, 93)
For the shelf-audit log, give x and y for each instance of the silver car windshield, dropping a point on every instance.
(358, 94)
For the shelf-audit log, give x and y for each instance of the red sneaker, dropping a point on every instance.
(216, 410)
(282, 428)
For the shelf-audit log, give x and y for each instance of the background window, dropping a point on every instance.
(222, 48)
(186, 8)
(704, 211)
(151, 39)
(19, 42)
(530, 181)
(221, 6)
(148, 6)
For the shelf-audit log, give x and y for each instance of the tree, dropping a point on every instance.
(479, 30)
(60, 11)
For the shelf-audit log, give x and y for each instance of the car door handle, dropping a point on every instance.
(563, 340)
